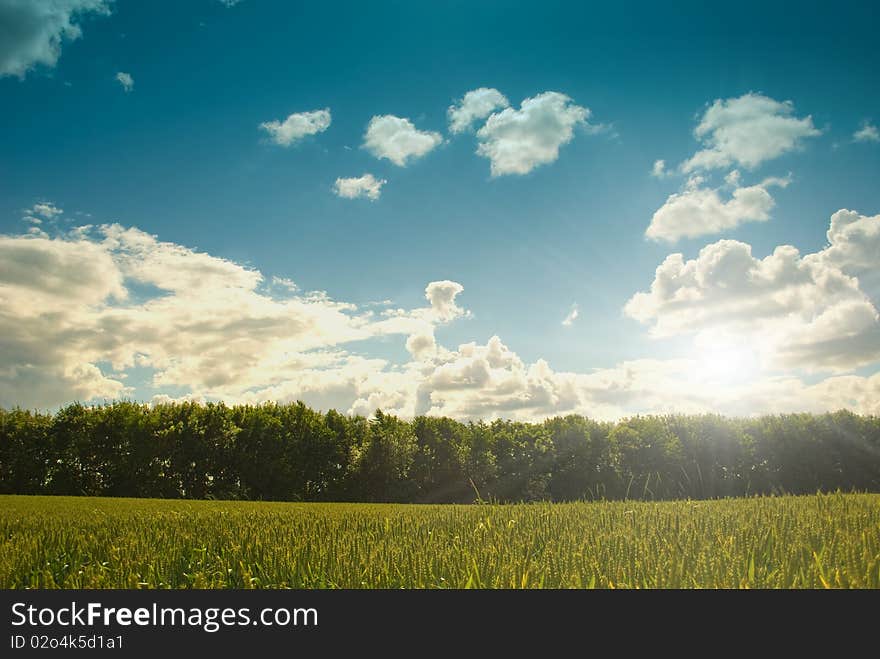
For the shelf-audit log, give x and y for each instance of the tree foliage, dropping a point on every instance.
(293, 453)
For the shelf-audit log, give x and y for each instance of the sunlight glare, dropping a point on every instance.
(725, 361)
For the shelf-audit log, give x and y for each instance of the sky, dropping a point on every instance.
(472, 209)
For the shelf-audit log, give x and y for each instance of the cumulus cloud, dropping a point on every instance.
(42, 210)
(125, 80)
(421, 345)
(489, 381)
(684, 386)
(698, 210)
(572, 316)
(297, 126)
(854, 247)
(854, 242)
(32, 31)
(398, 140)
(362, 186)
(41, 273)
(475, 105)
(867, 133)
(517, 141)
(46, 209)
(441, 296)
(659, 169)
(797, 311)
(747, 131)
(80, 310)
(732, 179)
(73, 309)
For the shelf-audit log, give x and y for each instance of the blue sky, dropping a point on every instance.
(180, 155)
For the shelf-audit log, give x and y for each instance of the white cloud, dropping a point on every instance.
(659, 169)
(854, 247)
(398, 140)
(297, 126)
(491, 381)
(79, 310)
(43, 210)
(791, 311)
(488, 381)
(698, 211)
(32, 31)
(41, 273)
(363, 186)
(685, 386)
(867, 133)
(441, 295)
(747, 131)
(125, 80)
(572, 316)
(477, 104)
(854, 242)
(229, 3)
(421, 345)
(517, 141)
(46, 209)
(73, 304)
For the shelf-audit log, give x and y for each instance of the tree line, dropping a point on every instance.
(290, 452)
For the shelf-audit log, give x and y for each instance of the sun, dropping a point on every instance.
(725, 361)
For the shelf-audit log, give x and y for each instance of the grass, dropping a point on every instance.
(822, 541)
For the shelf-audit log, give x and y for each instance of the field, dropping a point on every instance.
(830, 541)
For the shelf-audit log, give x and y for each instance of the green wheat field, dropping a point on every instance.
(821, 541)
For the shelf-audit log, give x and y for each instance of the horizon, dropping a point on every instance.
(372, 416)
